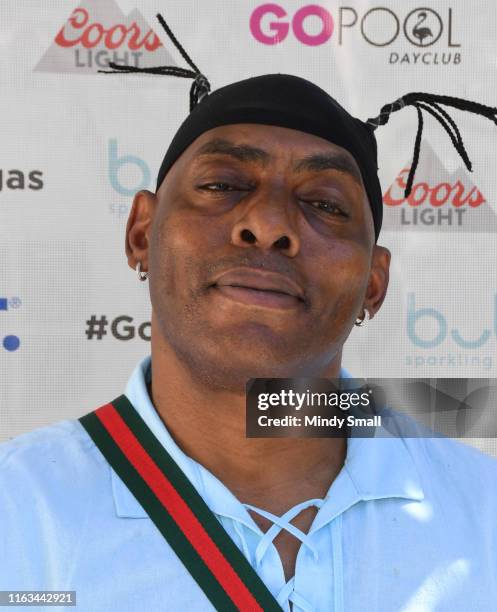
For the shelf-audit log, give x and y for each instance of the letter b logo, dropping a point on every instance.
(413, 317)
(117, 163)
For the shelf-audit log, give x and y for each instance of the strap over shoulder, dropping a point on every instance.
(176, 508)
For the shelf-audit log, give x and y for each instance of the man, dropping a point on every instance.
(260, 249)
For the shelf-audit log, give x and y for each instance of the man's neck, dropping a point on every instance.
(209, 426)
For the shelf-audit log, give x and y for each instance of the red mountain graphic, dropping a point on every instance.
(449, 191)
(97, 32)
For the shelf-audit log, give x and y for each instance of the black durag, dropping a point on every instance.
(286, 101)
(293, 102)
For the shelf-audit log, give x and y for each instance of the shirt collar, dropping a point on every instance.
(216, 495)
(375, 468)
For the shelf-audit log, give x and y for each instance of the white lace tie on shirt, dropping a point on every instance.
(287, 593)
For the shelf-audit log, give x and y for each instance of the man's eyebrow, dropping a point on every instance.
(242, 152)
(314, 162)
(328, 161)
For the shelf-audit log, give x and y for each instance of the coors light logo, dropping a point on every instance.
(98, 32)
(439, 200)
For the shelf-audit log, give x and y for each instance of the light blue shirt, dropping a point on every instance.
(407, 525)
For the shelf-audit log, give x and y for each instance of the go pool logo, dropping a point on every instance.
(411, 30)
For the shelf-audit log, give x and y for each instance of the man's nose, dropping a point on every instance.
(268, 220)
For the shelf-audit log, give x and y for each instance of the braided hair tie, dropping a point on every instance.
(200, 87)
(431, 103)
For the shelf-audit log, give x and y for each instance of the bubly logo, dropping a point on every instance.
(127, 173)
(439, 200)
(418, 318)
(98, 32)
(379, 26)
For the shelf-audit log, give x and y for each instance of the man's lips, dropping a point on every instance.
(261, 288)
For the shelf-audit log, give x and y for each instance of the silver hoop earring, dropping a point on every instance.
(365, 318)
(141, 275)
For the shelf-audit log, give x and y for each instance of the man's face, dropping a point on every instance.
(261, 254)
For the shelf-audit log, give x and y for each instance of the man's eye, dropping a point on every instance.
(218, 187)
(327, 206)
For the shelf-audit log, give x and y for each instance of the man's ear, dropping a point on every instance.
(138, 228)
(378, 279)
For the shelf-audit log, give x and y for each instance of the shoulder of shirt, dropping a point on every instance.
(446, 466)
(455, 468)
(49, 476)
(48, 444)
(449, 451)
(426, 443)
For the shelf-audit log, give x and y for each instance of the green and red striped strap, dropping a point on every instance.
(178, 511)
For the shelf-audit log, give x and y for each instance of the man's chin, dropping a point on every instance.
(258, 336)
(233, 377)
(255, 350)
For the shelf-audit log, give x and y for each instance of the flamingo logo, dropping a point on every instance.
(423, 27)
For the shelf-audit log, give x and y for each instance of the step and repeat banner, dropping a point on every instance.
(77, 144)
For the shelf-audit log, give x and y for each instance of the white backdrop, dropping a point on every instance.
(76, 145)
